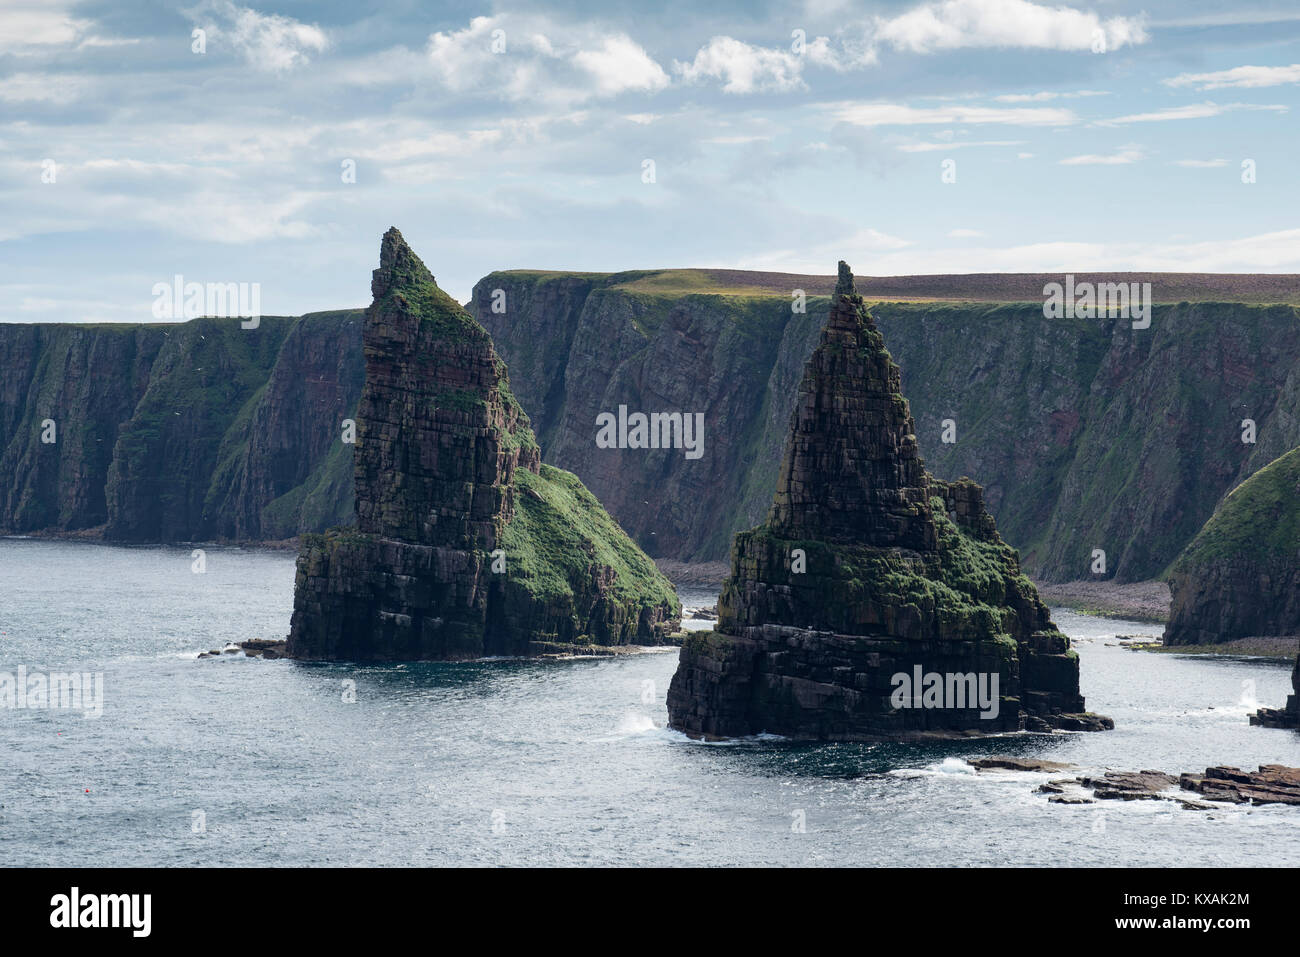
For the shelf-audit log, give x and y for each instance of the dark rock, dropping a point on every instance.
(1271, 784)
(264, 647)
(1288, 717)
(870, 572)
(1130, 785)
(1008, 763)
(449, 485)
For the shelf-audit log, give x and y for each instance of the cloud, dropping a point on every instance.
(620, 64)
(897, 114)
(1245, 77)
(34, 27)
(1202, 164)
(815, 260)
(936, 147)
(1194, 111)
(960, 24)
(1266, 252)
(267, 42)
(1125, 156)
(743, 68)
(516, 59)
(30, 26)
(1043, 97)
(41, 88)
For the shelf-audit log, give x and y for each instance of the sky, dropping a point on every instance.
(278, 143)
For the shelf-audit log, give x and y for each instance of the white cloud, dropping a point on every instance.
(743, 68)
(516, 59)
(1267, 252)
(1193, 111)
(815, 260)
(1045, 96)
(620, 64)
(34, 27)
(1125, 156)
(1202, 164)
(266, 41)
(1024, 156)
(41, 88)
(1242, 76)
(30, 26)
(897, 114)
(936, 147)
(959, 24)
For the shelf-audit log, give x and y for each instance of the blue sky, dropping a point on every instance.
(1090, 136)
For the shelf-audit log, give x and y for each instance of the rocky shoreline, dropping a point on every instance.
(1271, 784)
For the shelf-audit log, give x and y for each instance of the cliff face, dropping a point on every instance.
(1089, 434)
(180, 432)
(1240, 576)
(465, 544)
(868, 578)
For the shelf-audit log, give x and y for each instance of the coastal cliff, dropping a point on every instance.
(1240, 576)
(869, 572)
(465, 544)
(1087, 433)
(190, 431)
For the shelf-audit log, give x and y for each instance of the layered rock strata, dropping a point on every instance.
(877, 601)
(465, 544)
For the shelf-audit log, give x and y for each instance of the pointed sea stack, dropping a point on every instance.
(878, 602)
(465, 545)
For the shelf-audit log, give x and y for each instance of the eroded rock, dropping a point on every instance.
(869, 569)
(465, 544)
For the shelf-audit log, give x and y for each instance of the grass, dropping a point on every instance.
(1260, 518)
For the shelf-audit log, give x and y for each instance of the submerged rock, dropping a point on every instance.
(466, 544)
(877, 601)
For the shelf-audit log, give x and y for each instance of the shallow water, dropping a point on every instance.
(558, 762)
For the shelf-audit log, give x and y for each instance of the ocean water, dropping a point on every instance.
(237, 761)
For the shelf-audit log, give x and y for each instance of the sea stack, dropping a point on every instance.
(1240, 576)
(877, 602)
(465, 545)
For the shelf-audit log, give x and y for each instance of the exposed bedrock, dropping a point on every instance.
(465, 544)
(876, 601)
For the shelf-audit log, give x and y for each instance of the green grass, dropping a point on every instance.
(559, 530)
(1260, 518)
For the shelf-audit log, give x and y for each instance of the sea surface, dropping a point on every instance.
(238, 761)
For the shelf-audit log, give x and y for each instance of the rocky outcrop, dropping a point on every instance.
(178, 432)
(1086, 433)
(1240, 576)
(1285, 717)
(465, 545)
(876, 601)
